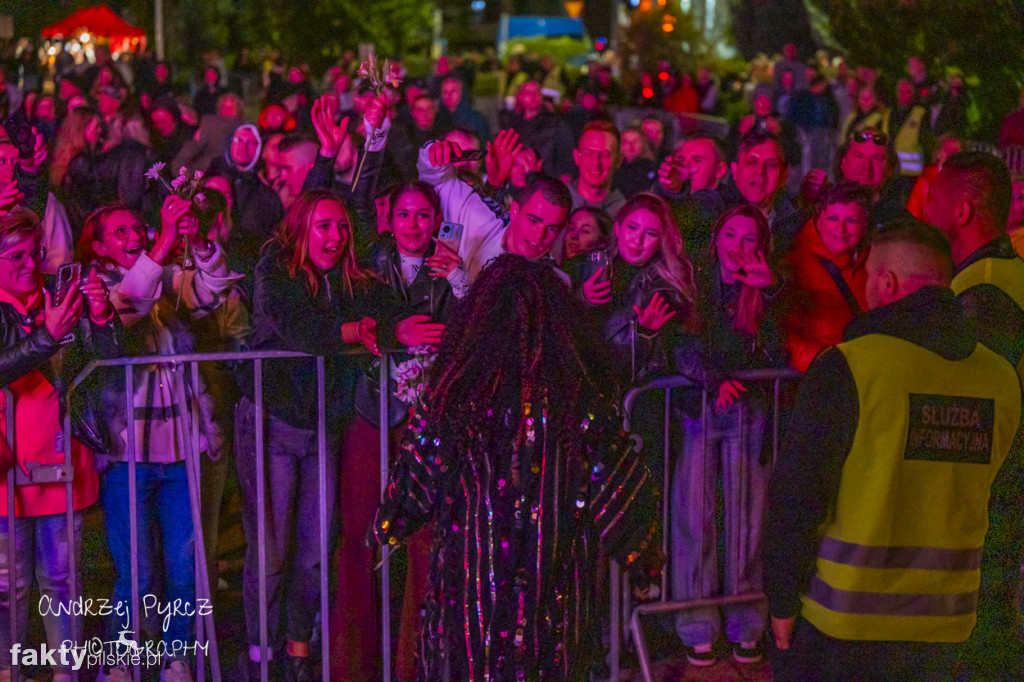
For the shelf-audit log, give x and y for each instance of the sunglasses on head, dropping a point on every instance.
(878, 138)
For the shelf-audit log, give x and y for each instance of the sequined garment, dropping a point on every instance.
(518, 528)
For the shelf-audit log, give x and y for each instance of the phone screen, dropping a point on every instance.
(67, 275)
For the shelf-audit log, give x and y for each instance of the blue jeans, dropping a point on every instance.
(163, 500)
(292, 508)
(734, 448)
(42, 549)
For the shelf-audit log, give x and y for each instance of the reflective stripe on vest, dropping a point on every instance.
(901, 553)
(907, 143)
(911, 163)
(1007, 274)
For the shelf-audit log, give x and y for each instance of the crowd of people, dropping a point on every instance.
(517, 284)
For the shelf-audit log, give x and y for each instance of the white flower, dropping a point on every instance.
(178, 182)
(200, 196)
(198, 175)
(154, 171)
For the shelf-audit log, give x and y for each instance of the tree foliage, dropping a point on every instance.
(646, 43)
(981, 38)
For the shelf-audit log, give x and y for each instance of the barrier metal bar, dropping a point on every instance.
(261, 523)
(321, 444)
(12, 533)
(69, 510)
(133, 501)
(664, 606)
(385, 570)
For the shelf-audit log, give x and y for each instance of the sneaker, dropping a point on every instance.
(115, 673)
(176, 671)
(701, 655)
(746, 652)
(300, 669)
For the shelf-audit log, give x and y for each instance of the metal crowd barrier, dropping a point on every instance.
(205, 626)
(619, 587)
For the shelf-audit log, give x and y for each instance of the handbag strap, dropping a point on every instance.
(844, 288)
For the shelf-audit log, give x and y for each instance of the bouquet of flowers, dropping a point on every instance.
(411, 374)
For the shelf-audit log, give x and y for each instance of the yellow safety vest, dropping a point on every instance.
(908, 142)
(901, 553)
(1005, 273)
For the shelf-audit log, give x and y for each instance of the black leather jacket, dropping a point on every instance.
(26, 351)
(425, 295)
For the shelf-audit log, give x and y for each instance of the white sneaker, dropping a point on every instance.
(117, 673)
(177, 671)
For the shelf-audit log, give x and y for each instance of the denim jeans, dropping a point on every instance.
(734, 448)
(163, 501)
(42, 549)
(292, 511)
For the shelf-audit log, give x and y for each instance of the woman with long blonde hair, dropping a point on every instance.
(71, 140)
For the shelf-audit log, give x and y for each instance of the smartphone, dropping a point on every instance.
(473, 155)
(67, 275)
(450, 235)
(600, 260)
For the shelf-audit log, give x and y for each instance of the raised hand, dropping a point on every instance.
(444, 260)
(812, 185)
(501, 153)
(366, 330)
(331, 136)
(597, 291)
(418, 330)
(656, 314)
(444, 153)
(61, 319)
(10, 196)
(35, 162)
(97, 296)
(672, 175)
(755, 270)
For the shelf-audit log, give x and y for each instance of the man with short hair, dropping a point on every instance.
(409, 134)
(458, 108)
(541, 130)
(597, 157)
(867, 160)
(969, 200)
(689, 181)
(878, 505)
(296, 156)
(530, 228)
(759, 178)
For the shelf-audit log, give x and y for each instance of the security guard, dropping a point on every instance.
(970, 200)
(878, 507)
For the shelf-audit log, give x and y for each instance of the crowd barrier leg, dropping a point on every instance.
(615, 633)
(12, 533)
(133, 500)
(205, 625)
(385, 582)
(261, 523)
(321, 445)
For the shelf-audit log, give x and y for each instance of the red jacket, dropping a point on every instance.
(815, 312)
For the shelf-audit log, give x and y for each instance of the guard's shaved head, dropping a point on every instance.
(905, 256)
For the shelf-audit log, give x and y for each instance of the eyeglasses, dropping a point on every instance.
(18, 257)
(880, 139)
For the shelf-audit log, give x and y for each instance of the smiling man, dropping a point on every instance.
(597, 157)
(533, 222)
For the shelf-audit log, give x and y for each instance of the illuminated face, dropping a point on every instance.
(163, 122)
(423, 113)
(699, 160)
(866, 100)
(534, 226)
(583, 234)
(122, 239)
(940, 207)
(212, 76)
(328, 233)
(93, 131)
(632, 145)
(244, 146)
(413, 222)
(8, 161)
(763, 105)
(20, 272)
(842, 226)
(272, 160)
(451, 94)
(45, 109)
(229, 107)
(161, 73)
(526, 162)
(905, 93)
(597, 157)
(221, 185)
(638, 236)
(1017, 205)
(758, 172)
(529, 99)
(295, 165)
(739, 234)
(864, 164)
(654, 131)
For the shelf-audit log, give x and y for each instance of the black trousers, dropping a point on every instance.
(813, 656)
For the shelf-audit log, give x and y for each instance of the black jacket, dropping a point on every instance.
(425, 295)
(549, 136)
(286, 316)
(26, 351)
(118, 174)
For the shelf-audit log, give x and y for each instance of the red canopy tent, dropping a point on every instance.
(99, 22)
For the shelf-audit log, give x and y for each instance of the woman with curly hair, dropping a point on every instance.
(519, 459)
